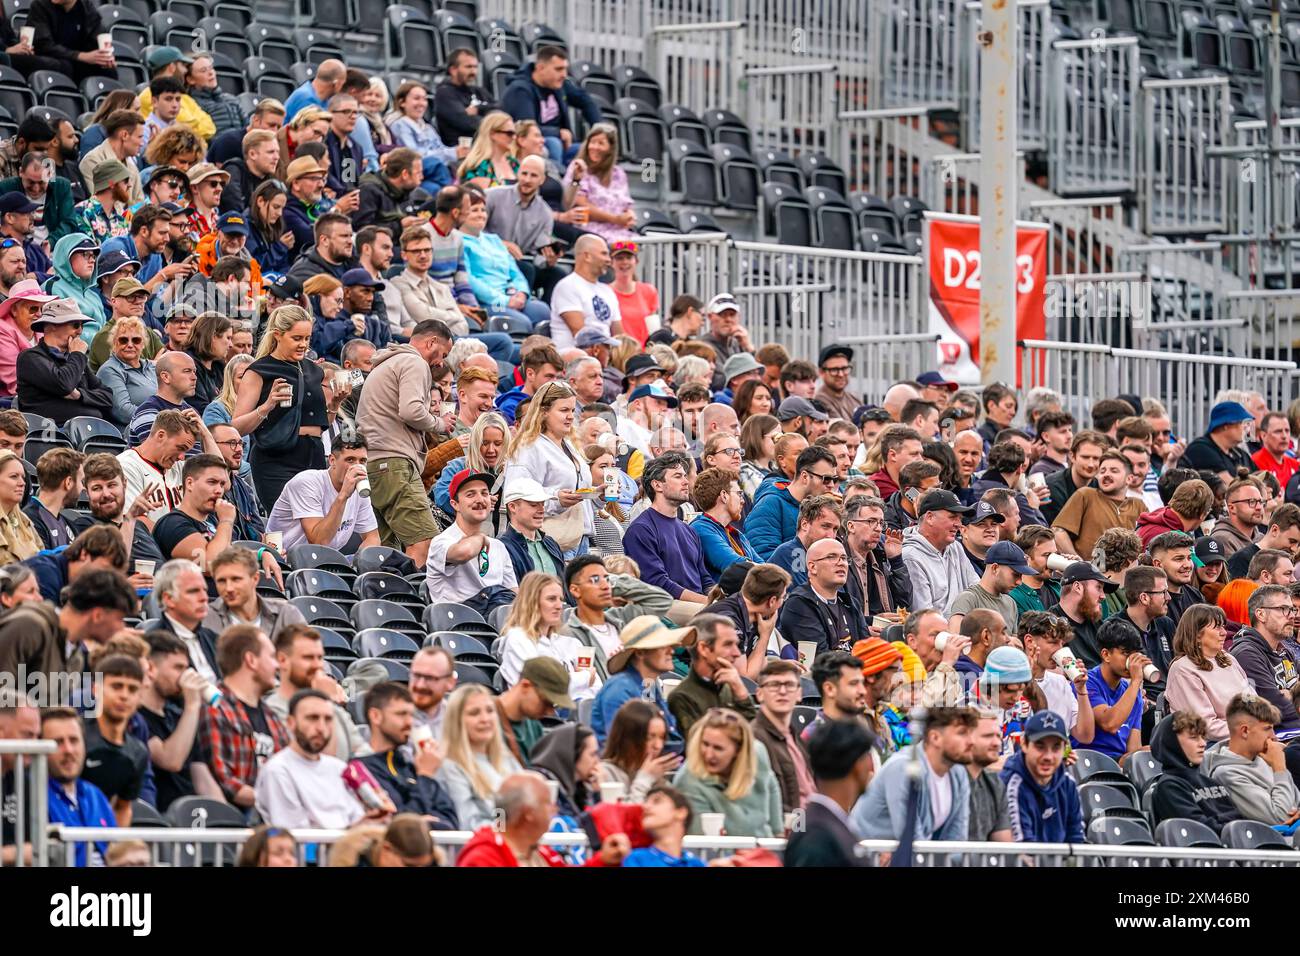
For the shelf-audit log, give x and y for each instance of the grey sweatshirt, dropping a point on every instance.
(1259, 792)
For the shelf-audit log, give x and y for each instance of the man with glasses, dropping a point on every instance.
(345, 155)
(779, 691)
(775, 515)
(305, 178)
(433, 678)
(1283, 534)
(1147, 589)
(722, 503)
(250, 524)
(820, 517)
(1245, 500)
(332, 252)
(818, 612)
(936, 563)
(663, 546)
(1263, 653)
(207, 186)
(878, 581)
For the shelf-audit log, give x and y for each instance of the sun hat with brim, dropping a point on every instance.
(153, 172)
(1228, 413)
(29, 290)
(739, 364)
(201, 171)
(59, 312)
(108, 172)
(302, 166)
(646, 633)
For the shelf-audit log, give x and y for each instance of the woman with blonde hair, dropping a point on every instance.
(221, 408)
(310, 125)
(1203, 677)
(177, 146)
(491, 160)
(284, 404)
(727, 773)
(602, 185)
(609, 518)
(130, 376)
(545, 449)
(485, 453)
(476, 759)
(18, 538)
(626, 348)
(531, 630)
(374, 103)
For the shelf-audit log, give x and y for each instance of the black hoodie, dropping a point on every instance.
(1183, 791)
(1274, 673)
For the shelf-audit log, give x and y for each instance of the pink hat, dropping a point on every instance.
(29, 290)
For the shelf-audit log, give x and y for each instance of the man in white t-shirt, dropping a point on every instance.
(301, 787)
(463, 560)
(325, 507)
(1042, 637)
(580, 300)
(157, 462)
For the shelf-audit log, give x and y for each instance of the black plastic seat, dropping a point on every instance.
(312, 582)
(641, 130)
(274, 43)
(596, 80)
(412, 40)
(725, 126)
(15, 94)
(777, 167)
(317, 46)
(125, 26)
(167, 28)
(457, 32)
(143, 815)
(268, 77)
(692, 173)
(380, 558)
(375, 612)
(1142, 768)
(537, 34)
(196, 813)
(738, 175)
(500, 36)
(516, 326)
(650, 220)
(397, 670)
(1119, 831)
(35, 448)
(390, 587)
(1182, 832)
(458, 643)
(820, 170)
(227, 37)
(834, 223)
(787, 217)
(451, 617)
(1094, 767)
(682, 123)
(1253, 835)
(635, 83)
(384, 642)
(692, 221)
(910, 212)
(95, 88)
(1099, 800)
(319, 557)
(334, 643)
(874, 213)
(498, 69)
(472, 674)
(802, 718)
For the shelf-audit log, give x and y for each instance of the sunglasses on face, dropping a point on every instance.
(133, 340)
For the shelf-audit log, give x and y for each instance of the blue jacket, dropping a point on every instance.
(51, 570)
(618, 690)
(508, 403)
(1050, 814)
(774, 518)
(881, 812)
(718, 552)
(272, 256)
(792, 557)
(92, 809)
(518, 550)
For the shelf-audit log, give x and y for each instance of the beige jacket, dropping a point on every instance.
(394, 412)
(425, 298)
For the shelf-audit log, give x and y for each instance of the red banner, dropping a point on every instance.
(954, 248)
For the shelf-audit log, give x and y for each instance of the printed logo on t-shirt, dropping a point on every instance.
(600, 308)
(550, 109)
(264, 747)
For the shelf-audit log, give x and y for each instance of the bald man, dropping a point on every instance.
(718, 419)
(816, 612)
(317, 91)
(481, 360)
(177, 382)
(581, 300)
(898, 396)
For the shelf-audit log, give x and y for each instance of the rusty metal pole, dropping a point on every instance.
(999, 190)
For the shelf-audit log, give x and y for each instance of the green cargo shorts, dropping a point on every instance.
(402, 508)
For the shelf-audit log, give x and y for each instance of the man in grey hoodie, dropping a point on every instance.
(1251, 763)
(938, 566)
(395, 416)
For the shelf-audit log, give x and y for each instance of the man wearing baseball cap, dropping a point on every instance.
(1042, 798)
(530, 548)
(463, 560)
(1220, 449)
(935, 388)
(835, 363)
(543, 685)
(17, 222)
(105, 214)
(1082, 587)
(726, 334)
(1004, 563)
(934, 557)
(45, 370)
(799, 416)
(646, 407)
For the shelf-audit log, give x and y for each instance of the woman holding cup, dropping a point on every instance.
(634, 750)
(610, 519)
(477, 759)
(284, 404)
(1203, 677)
(532, 630)
(729, 780)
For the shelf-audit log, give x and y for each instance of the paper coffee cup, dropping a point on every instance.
(144, 567)
(274, 539)
(27, 35)
(467, 142)
(612, 792)
(711, 823)
(1068, 663)
(584, 660)
(1151, 673)
(1058, 563)
(553, 788)
(363, 487)
(807, 652)
(449, 408)
(288, 402)
(941, 641)
(105, 41)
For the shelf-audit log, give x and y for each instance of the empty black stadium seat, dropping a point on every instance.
(310, 582)
(874, 213)
(726, 127)
(1099, 800)
(266, 77)
(787, 218)
(910, 212)
(738, 175)
(1253, 835)
(820, 170)
(412, 41)
(636, 83)
(641, 130)
(322, 611)
(777, 167)
(499, 36)
(15, 94)
(126, 26)
(171, 29)
(1202, 42)
(596, 80)
(381, 613)
(833, 220)
(535, 34)
(1119, 831)
(1183, 832)
(496, 70)
(228, 37)
(692, 173)
(872, 240)
(95, 88)
(396, 670)
(457, 32)
(650, 220)
(450, 617)
(691, 220)
(1121, 16)
(682, 123)
(58, 91)
(319, 557)
(317, 46)
(1241, 47)
(384, 642)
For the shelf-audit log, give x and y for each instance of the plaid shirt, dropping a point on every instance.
(229, 743)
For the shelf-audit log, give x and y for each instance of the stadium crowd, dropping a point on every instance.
(351, 458)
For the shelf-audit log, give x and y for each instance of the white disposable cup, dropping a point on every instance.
(791, 819)
(288, 402)
(274, 539)
(449, 408)
(466, 141)
(807, 652)
(1037, 481)
(27, 35)
(1068, 663)
(105, 41)
(553, 788)
(1058, 563)
(612, 792)
(363, 487)
(941, 641)
(1151, 673)
(144, 567)
(711, 823)
(421, 735)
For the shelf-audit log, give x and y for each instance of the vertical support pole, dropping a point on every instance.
(999, 190)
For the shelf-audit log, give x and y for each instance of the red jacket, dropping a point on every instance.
(487, 847)
(1155, 523)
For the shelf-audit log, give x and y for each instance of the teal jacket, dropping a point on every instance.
(756, 814)
(58, 216)
(82, 291)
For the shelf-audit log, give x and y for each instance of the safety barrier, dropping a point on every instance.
(28, 806)
(1093, 145)
(1269, 322)
(791, 107)
(1085, 232)
(881, 360)
(1185, 382)
(1183, 182)
(1106, 308)
(1032, 58)
(698, 65)
(178, 847)
(698, 264)
(915, 56)
(1257, 210)
(874, 149)
(951, 182)
(1189, 280)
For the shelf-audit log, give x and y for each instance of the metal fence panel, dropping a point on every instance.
(915, 57)
(698, 264)
(1099, 308)
(1033, 57)
(1085, 233)
(1270, 322)
(699, 65)
(27, 808)
(874, 148)
(951, 182)
(791, 108)
(1094, 128)
(1189, 280)
(1183, 182)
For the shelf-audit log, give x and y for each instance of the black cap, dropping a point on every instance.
(734, 576)
(940, 500)
(1083, 571)
(983, 512)
(288, 287)
(833, 350)
(1208, 550)
(640, 364)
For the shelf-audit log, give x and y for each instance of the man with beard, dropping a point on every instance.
(203, 520)
(989, 821)
(664, 547)
(1172, 553)
(1147, 590)
(106, 497)
(13, 267)
(73, 801)
(1085, 458)
(1090, 511)
(838, 676)
(943, 807)
(817, 612)
(433, 678)
(171, 703)
(1082, 586)
(302, 787)
(410, 783)
(300, 656)
(106, 214)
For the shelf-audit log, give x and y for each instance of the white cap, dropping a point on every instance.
(721, 302)
(526, 489)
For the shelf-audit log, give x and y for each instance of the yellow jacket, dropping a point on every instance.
(191, 115)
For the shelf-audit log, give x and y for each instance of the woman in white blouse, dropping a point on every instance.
(477, 759)
(545, 448)
(531, 631)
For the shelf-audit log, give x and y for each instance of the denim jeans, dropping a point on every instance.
(556, 150)
(499, 345)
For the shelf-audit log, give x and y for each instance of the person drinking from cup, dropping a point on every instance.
(328, 506)
(1115, 689)
(1061, 677)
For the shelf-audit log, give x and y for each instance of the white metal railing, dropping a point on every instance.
(29, 803)
(1189, 280)
(697, 264)
(1269, 321)
(1186, 383)
(874, 149)
(1085, 233)
(1102, 308)
(1032, 58)
(699, 65)
(1093, 144)
(791, 107)
(915, 54)
(881, 360)
(1183, 185)
(924, 853)
(1247, 174)
(950, 182)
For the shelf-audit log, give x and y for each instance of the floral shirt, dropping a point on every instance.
(612, 198)
(103, 223)
(485, 170)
